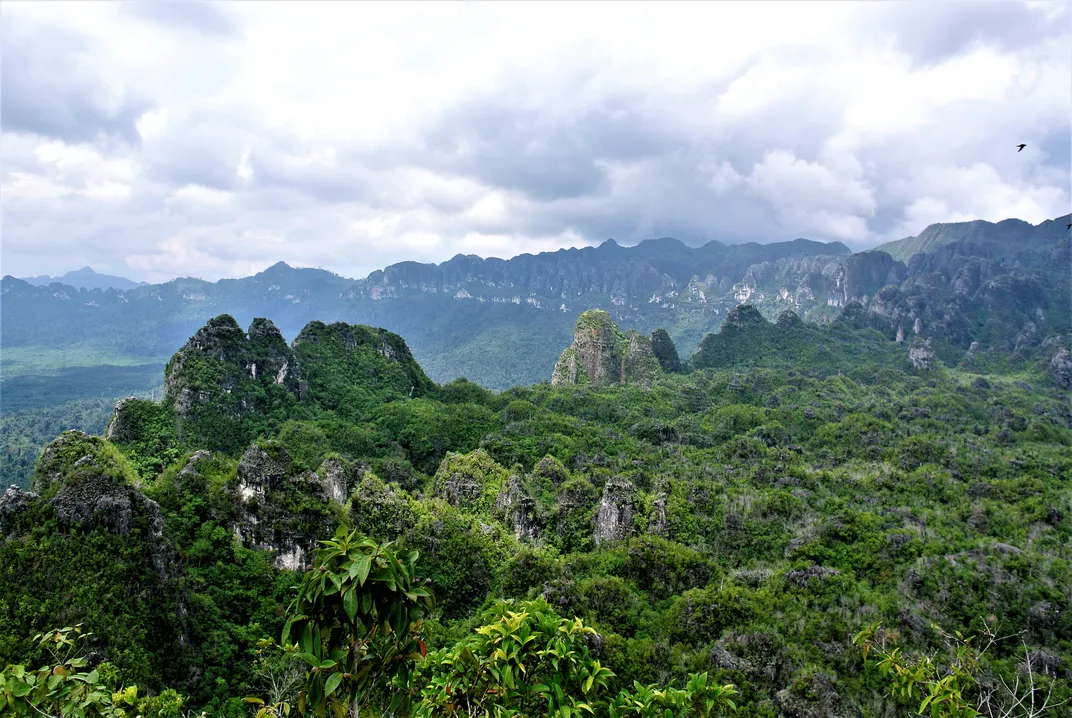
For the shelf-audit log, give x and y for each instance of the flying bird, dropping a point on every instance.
(1069, 226)
(1019, 148)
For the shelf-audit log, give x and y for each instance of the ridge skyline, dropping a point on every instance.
(837, 245)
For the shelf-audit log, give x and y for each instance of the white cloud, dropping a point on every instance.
(976, 192)
(834, 203)
(367, 133)
(198, 195)
(107, 190)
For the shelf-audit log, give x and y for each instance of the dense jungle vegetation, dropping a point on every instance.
(798, 522)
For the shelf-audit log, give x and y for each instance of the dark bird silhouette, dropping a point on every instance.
(1069, 226)
(1019, 148)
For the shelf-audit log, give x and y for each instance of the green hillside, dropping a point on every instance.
(720, 536)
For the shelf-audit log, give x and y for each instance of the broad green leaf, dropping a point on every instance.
(333, 682)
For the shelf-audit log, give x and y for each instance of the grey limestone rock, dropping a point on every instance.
(517, 509)
(818, 699)
(1061, 369)
(614, 521)
(921, 356)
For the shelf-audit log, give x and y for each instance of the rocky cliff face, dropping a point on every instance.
(90, 486)
(1061, 369)
(614, 520)
(657, 269)
(921, 355)
(123, 427)
(517, 509)
(963, 282)
(13, 503)
(222, 375)
(221, 359)
(601, 355)
(281, 509)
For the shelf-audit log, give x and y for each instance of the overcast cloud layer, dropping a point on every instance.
(157, 139)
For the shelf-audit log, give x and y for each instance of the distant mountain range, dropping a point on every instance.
(504, 322)
(85, 278)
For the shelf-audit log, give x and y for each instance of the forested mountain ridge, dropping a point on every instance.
(85, 278)
(1008, 239)
(743, 520)
(501, 322)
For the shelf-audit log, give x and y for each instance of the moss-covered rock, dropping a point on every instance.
(278, 508)
(601, 355)
(351, 367)
(75, 456)
(381, 510)
(91, 485)
(223, 376)
(469, 480)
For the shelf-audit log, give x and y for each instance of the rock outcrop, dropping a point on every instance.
(123, 425)
(665, 351)
(1061, 369)
(332, 475)
(222, 375)
(12, 503)
(108, 540)
(462, 479)
(816, 699)
(551, 469)
(515, 507)
(220, 359)
(339, 358)
(921, 355)
(601, 355)
(380, 509)
(742, 317)
(90, 486)
(789, 320)
(614, 520)
(278, 508)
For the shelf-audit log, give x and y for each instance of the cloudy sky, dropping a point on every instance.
(158, 139)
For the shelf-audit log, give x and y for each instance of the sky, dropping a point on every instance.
(162, 139)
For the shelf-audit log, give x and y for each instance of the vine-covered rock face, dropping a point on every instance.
(223, 375)
(601, 355)
(280, 509)
(91, 486)
(344, 364)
